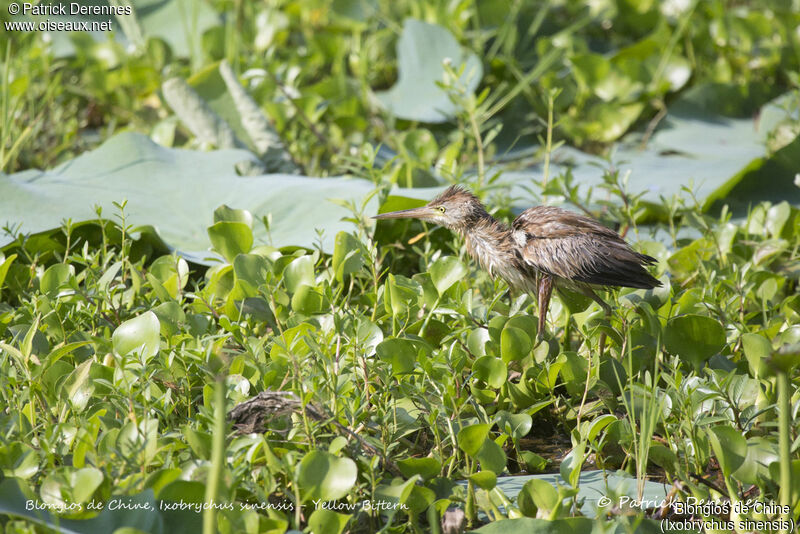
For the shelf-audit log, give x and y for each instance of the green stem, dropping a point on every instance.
(217, 458)
(784, 443)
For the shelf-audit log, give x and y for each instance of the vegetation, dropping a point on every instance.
(411, 381)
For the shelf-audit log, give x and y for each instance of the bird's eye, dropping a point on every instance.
(442, 209)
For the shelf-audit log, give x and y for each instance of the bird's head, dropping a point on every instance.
(456, 208)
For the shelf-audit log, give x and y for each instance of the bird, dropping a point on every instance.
(545, 247)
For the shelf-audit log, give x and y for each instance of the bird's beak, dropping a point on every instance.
(423, 213)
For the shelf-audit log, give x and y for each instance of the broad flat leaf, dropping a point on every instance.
(730, 448)
(139, 333)
(180, 23)
(484, 479)
(491, 370)
(471, 438)
(427, 468)
(695, 338)
(401, 354)
(491, 456)
(723, 157)
(421, 49)
(324, 521)
(445, 272)
(322, 475)
(347, 256)
(155, 181)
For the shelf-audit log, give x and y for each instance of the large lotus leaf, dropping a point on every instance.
(180, 23)
(717, 155)
(421, 49)
(177, 191)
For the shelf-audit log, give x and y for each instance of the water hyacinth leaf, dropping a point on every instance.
(421, 51)
(225, 213)
(484, 479)
(230, 238)
(54, 278)
(139, 333)
(663, 457)
(694, 338)
(515, 425)
(323, 476)
(445, 272)
(491, 456)
(476, 341)
(401, 354)
(515, 344)
(471, 438)
(730, 448)
(537, 494)
(347, 257)
(84, 482)
(170, 317)
(427, 468)
(532, 462)
(18, 460)
(299, 272)
(400, 293)
(308, 300)
(757, 349)
(4, 269)
(172, 272)
(323, 521)
(490, 370)
(762, 455)
(251, 271)
(78, 387)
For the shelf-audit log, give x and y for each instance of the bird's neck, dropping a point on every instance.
(488, 241)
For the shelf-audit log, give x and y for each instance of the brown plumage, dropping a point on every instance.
(545, 247)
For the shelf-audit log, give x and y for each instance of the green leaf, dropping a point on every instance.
(230, 238)
(421, 50)
(326, 477)
(515, 344)
(250, 271)
(78, 387)
(730, 448)
(323, 521)
(757, 349)
(227, 214)
(347, 257)
(491, 370)
(84, 482)
(426, 468)
(4, 269)
(54, 278)
(515, 425)
(484, 479)
(470, 439)
(537, 495)
(401, 354)
(299, 272)
(695, 338)
(170, 317)
(139, 333)
(445, 272)
(155, 181)
(491, 456)
(309, 300)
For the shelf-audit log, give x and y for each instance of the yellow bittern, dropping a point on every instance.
(544, 247)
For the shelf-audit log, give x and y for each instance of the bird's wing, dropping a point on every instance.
(580, 249)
